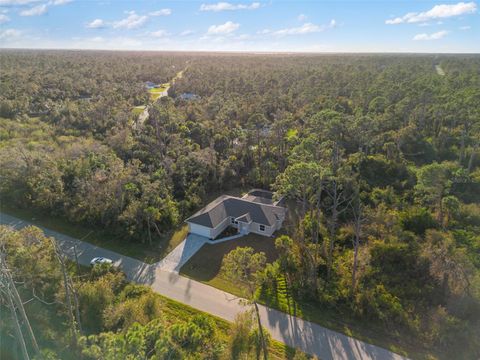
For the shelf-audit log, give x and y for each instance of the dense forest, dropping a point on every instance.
(378, 155)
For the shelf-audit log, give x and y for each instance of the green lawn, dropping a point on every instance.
(97, 236)
(205, 266)
(137, 110)
(155, 92)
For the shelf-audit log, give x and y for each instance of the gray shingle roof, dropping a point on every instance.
(228, 206)
(244, 218)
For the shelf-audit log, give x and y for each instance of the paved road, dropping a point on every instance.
(295, 332)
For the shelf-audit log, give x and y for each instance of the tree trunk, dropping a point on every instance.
(358, 216)
(148, 229)
(472, 157)
(260, 330)
(440, 213)
(356, 245)
(333, 229)
(461, 156)
(77, 309)
(67, 293)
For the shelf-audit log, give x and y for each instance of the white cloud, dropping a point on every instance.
(465, 28)
(132, 21)
(223, 29)
(187, 32)
(4, 18)
(34, 11)
(243, 37)
(302, 17)
(96, 24)
(159, 33)
(17, 2)
(435, 36)
(161, 12)
(437, 12)
(224, 6)
(59, 2)
(9, 34)
(306, 28)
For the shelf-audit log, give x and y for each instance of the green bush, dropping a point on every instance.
(417, 220)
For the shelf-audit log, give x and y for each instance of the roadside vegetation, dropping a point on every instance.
(98, 315)
(379, 155)
(149, 253)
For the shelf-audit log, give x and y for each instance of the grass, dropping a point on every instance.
(148, 253)
(155, 93)
(205, 266)
(137, 110)
(175, 311)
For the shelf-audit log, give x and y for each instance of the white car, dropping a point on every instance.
(101, 260)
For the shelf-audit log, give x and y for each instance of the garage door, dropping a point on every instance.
(199, 230)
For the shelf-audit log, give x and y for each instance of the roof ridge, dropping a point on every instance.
(255, 202)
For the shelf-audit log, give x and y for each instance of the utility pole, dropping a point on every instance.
(18, 329)
(8, 288)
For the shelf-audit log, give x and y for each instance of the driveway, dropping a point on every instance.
(297, 333)
(180, 255)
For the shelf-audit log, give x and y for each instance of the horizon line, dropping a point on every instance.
(246, 51)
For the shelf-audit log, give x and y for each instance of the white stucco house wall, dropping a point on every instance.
(255, 212)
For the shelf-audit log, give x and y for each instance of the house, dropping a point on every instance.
(150, 85)
(189, 96)
(255, 212)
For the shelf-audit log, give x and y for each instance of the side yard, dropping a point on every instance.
(205, 266)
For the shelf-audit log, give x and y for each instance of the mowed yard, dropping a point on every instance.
(156, 92)
(206, 264)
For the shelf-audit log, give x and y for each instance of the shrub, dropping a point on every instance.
(417, 220)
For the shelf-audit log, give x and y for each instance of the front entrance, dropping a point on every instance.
(243, 228)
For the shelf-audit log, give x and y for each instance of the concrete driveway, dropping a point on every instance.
(295, 332)
(180, 255)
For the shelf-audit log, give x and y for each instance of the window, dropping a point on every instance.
(261, 227)
(233, 220)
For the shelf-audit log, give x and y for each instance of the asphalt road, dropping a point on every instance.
(295, 332)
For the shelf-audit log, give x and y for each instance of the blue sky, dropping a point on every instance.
(261, 26)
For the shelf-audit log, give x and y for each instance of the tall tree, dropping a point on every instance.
(244, 266)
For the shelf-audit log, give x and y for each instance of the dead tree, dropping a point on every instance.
(358, 220)
(337, 194)
(68, 286)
